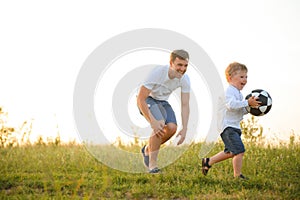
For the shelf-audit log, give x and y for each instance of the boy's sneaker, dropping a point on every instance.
(242, 177)
(205, 166)
(155, 171)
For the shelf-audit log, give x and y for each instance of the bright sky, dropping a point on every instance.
(43, 45)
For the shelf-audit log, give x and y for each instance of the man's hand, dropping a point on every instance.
(158, 127)
(182, 135)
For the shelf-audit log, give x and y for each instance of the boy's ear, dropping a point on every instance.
(228, 79)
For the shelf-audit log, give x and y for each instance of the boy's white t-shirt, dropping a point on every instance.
(162, 86)
(232, 109)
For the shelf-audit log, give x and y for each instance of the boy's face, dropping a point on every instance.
(238, 79)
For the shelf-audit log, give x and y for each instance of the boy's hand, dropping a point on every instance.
(253, 102)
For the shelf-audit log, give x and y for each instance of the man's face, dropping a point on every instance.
(179, 66)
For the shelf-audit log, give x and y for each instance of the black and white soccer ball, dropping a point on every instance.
(264, 98)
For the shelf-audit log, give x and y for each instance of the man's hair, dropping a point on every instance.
(233, 68)
(180, 53)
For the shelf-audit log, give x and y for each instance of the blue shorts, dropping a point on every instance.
(161, 110)
(232, 140)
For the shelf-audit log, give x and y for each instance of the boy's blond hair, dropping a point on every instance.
(233, 68)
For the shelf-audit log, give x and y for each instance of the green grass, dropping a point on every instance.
(70, 172)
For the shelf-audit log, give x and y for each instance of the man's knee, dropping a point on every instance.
(171, 128)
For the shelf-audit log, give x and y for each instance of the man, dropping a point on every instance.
(153, 105)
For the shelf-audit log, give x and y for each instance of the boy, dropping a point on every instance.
(236, 75)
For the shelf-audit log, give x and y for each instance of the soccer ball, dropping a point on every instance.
(264, 98)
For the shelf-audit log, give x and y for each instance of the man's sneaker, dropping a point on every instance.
(155, 171)
(146, 158)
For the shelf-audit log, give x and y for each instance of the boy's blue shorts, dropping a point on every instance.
(161, 110)
(232, 140)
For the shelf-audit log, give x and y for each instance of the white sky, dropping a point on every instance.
(43, 45)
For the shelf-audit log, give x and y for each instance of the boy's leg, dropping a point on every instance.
(237, 162)
(219, 157)
(208, 162)
(233, 144)
(234, 148)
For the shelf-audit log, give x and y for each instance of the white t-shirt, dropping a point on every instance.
(162, 86)
(233, 108)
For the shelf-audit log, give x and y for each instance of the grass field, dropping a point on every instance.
(70, 172)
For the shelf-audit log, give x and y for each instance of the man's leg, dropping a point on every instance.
(161, 111)
(155, 142)
(170, 129)
(153, 148)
